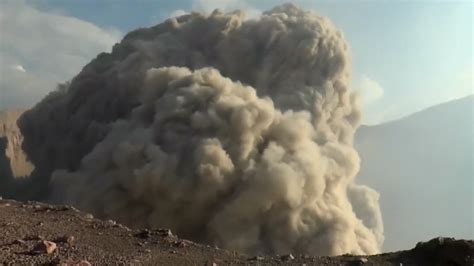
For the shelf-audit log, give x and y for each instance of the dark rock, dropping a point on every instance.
(257, 258)
(19, 242)
(288, 257)
(44, 247)
(181, 243)
(69, 239)
(359, 261)
(445, 251)
(165, 232)
(144, 234)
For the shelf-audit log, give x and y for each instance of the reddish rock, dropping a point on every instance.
(44, 247)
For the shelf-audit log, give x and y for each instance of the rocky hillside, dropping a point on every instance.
(37, 233)
(13, 162)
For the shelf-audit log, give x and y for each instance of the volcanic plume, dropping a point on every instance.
(229, 131)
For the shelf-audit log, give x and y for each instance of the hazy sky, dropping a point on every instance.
(407, 55)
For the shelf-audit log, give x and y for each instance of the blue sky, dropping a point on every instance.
(407, 55)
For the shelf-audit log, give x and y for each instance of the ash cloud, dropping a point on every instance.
(230, 131)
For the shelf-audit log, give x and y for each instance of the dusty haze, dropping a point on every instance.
(232, 132)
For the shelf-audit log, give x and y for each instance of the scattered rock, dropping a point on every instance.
(288, 257)
(44, 247)
(19, 242)
(181, 243)
(439, 251)
(69, 262)
(165, 232)
(121, 226)
(360, 261)
(34, 237)
(69, 239)
(83, 263)
(145, 233)
(43, 208)
(89, 216)
(257, 258)
(72, 208)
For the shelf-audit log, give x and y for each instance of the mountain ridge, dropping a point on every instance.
(422, 166)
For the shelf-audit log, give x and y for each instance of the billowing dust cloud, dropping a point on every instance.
(229, 131)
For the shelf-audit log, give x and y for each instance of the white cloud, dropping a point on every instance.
(19, 68)
(177, 13)
(40, 49)
(226, 5)
(210, 5)
(207, 6)
(370, 90)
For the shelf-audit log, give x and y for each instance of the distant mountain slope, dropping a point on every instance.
(422, 165)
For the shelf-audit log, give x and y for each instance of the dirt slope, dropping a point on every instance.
(81, 238)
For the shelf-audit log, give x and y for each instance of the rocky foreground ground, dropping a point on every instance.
(37, 233)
